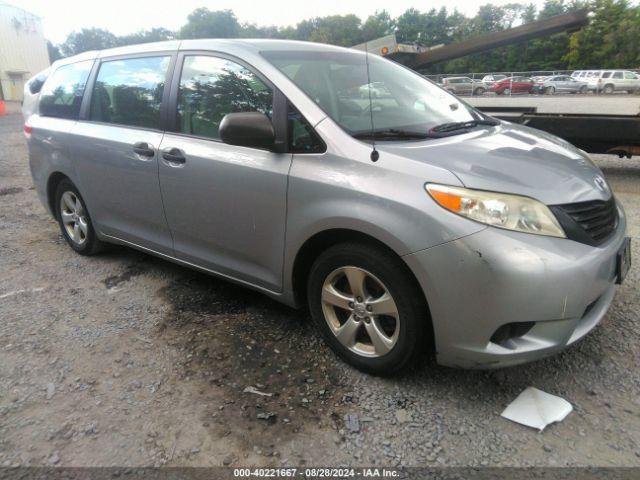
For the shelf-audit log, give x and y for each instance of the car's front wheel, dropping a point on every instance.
(368, 307)
(75, 222)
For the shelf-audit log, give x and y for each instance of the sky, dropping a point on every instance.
(61, 17)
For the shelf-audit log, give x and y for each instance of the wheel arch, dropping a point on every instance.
(52, 184)
(322, 240)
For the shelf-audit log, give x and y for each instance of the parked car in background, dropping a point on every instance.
(464, 86)
(610, 81)
(489, 80)
(559, 84)
(511, 85)
(539, 78)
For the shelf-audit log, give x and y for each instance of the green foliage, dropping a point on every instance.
(203, 23)
(378, 25)
(146, 36)
(612, 39)
(53, 51)
(88, 39)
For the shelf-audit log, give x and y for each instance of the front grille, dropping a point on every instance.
(590, 222)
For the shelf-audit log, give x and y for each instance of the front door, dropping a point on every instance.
(225, 205)
(117, 151)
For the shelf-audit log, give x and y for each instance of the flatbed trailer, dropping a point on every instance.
(597, 124)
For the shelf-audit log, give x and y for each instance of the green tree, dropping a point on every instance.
(612, 38)
(409, 25)
(157, 34)
(377, 25)
(53, 51)
(88, 39)
(204, 23)
(344, 30)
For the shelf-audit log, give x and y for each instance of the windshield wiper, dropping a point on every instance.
(391, 134)
(461, 127)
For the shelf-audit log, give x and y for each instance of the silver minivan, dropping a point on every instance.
(408, 222)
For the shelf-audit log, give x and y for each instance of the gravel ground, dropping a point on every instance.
(125, 359)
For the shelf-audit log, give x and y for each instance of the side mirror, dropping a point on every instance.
(247, 129)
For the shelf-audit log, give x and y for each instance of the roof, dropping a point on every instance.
(228, 45)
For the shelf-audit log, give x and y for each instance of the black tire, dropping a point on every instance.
(479, 91)
(90, 245)
(415, 331)
(550, 90)
(608, 89)
(583, 89)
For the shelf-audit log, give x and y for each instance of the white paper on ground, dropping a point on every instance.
(537, 409)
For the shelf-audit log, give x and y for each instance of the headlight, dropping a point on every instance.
(502, 210)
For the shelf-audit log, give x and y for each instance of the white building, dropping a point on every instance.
(23, 50)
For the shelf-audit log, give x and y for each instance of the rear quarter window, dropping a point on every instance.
(62, 92)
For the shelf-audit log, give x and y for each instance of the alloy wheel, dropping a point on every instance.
(74, 217)
(360, 311)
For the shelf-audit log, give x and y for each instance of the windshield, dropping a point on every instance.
(400, 98)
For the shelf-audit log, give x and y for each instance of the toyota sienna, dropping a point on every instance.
(406, 220)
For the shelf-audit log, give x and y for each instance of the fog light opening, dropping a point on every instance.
(506, 334)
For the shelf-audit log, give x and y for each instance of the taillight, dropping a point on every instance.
(27, 129)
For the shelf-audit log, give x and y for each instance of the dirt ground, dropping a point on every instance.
(127, 360)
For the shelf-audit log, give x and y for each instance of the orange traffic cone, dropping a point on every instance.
(2, 108)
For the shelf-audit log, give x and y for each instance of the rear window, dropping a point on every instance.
(129, 92)
(61, 94)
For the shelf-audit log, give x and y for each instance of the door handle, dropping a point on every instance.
(144, 149)
(174, 155)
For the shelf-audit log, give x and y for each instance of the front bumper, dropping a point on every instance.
(478, 283)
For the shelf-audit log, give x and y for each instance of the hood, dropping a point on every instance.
(512, 159)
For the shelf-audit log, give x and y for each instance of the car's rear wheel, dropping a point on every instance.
(583, 89)
(608, 89)
(367, 306)
(75, 222)
(550, 90)
(479, 91)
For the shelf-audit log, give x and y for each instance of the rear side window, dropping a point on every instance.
(129, 92)
(61, 94)
(617, 75)
(211, 87)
